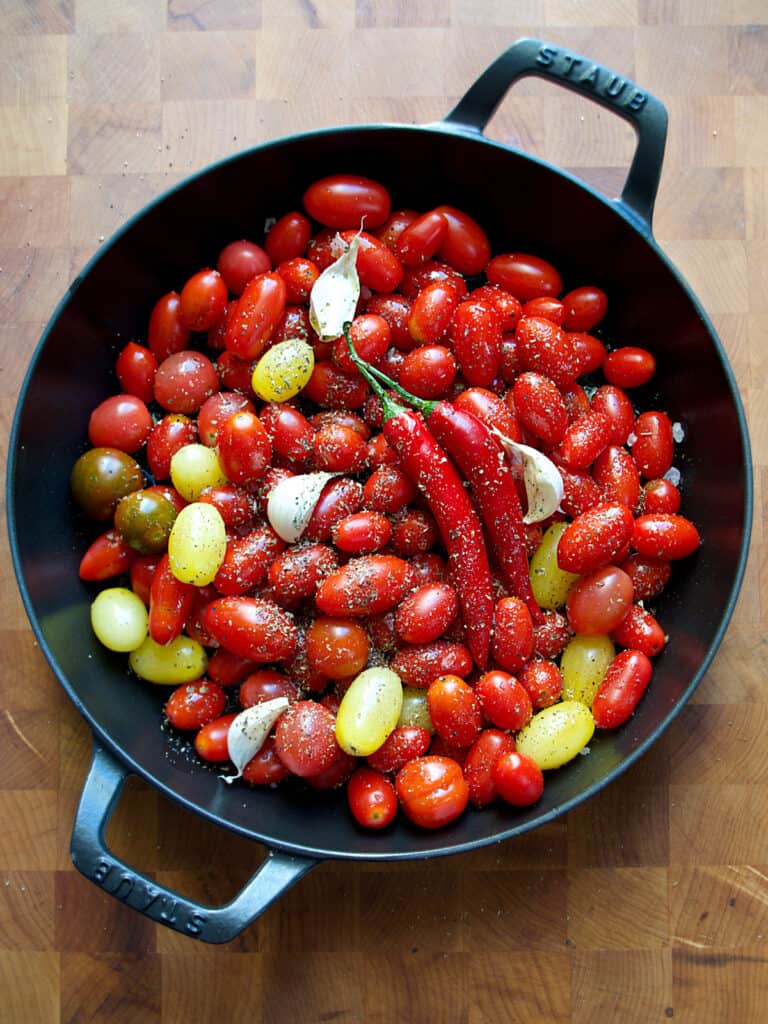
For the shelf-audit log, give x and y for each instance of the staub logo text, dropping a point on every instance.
(581, 72)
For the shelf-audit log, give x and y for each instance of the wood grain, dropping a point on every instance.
(650, 902)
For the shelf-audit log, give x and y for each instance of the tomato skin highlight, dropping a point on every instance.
(372, 798)
(432, 791)
(619, 694)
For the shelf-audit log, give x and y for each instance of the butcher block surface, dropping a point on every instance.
(649, 902)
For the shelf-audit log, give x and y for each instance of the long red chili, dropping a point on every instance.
(479, 456)
(428, 466)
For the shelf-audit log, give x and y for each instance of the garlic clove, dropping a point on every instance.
(334, 296)
(291, 503)
(543, 483)
(249, 730)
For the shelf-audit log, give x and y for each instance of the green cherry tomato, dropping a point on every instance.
(101, 477)
(144, 520)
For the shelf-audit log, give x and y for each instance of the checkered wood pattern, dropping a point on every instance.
(651, 901)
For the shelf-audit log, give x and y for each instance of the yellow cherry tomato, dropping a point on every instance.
(194, 467)
(197, 544)
(181, 661)
(283, 370)
(584, 663)
(550, 583)
(369, 711)
(119, 619)
(556, 734)
(415, 709)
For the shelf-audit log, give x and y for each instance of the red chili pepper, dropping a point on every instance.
(428, 466)
(479, 456)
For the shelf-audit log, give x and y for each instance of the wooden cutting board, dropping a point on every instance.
(650, 902)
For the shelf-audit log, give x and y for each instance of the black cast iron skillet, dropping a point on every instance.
(527, 205)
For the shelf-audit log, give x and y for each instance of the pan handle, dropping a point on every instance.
(647, 115)
(93, 858)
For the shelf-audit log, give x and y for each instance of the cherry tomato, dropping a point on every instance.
(490, 745)
(489, 408)
(142, 570)
(540, 407)
(580, 492)
(518, 779)
(372, 798)
(265, 768)
(234, 373)
(247, 561)
(380, 452)
(211, 741)
(203, 300)
(544, 347)
(365, 586)
(170, 602)
(666, 536)
(184, 380)
(244, 448)
(420, 664)
(342, 418)
(504, 701)
(653, 449)
(337, 774)
(106, 557)
(414, 532)
(266, 684)
(509, 367)
(426, 613)
(337, 648)
(395, 310)
(597, 603)
(370, 336)
(542, 681)
(295, 574)
(195, 704)
(454, 710)
(331, 387)
(590, 351)
(421, 239)
(428, 371)
(291, 433)
(584, 308)
(584, 440)
(552, 636)
(299, 275)
(305, 738)
(166, 438)
(394, 226)
(258, 310)
(465, 246)
(122, 421)
(640, 631)
(346, 200)
(288, 237)
(594, 538)
(576, 401)
(547, 307)
(432, 791)
(526, 277)
(622, 687)
(615, 473)
(362, 533)
(475, 333)
(339, 449)
(629, 367)
(377, 266)
(401, 746)
(512, 643)
(416, 278)
(216, 410)
(293, 323)
(239, 262)
(339, 498)
(388, 490)
(660, 496)
(649, 575)
(252, 628)
(617, 408)
(136, 367)
(167, 331)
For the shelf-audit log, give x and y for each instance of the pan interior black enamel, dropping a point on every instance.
(525, 206)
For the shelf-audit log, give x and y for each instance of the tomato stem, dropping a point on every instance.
(389, 406)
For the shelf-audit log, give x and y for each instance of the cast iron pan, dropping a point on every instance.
(527, 205)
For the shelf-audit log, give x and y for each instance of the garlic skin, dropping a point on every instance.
(291, 503)
(334, 296)
(543, 483)
(249, 730)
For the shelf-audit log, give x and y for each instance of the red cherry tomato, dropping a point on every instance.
(428, 371)
(141, 572)
(252, 628)
(107, 556)
(395, 310)
(547, 307)
(518, 779)
(337, 648)
(584, 440)
(401, 746)
(194, 705)
(615, 473)
(580, 492)
(247, 561)
(258, 311)
(239, 262)
(234, 373)
(166, 438)
(590, 351)
(339, 498)
(431, 313)
(167, 331)
(540, 407)
(420, 664)
(227, 669)
(660, 496)
(420, 240)
(211, 741)
(216, 410)
(584, 308)
(432, 791)
(265, 768)
(288, 237)
(629, 367)
(417, 278)
(653, 449)
(594, 538)
(666, 536)
(365, 586)
(305, 738)
(413, 533)
(266, 684)
(170, 603)
(622, 687)
(489, 408)
(388, 490)
(576, 401)
(362, 533)
(394, 226)
(122, 422)
(426, 613)
(184, 380)
(640, 631)
(512, 643)
(597, 603)
(331, 387)
(339, 449)
(617, 408)
(136, 367)
(649, 575)
(454, 710)
(377, 266)
(526, 277)
(475, 333)
(291, 433)
(295, 574)
(372, 798)
(542, 681)
(346, 201)
(299, 275)
(203, 300)
(545, 348)
(490, 745)
(552, 636)
(465, 246)
(504, 701)
(337, 774)
(370, 336)
(244, 448)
